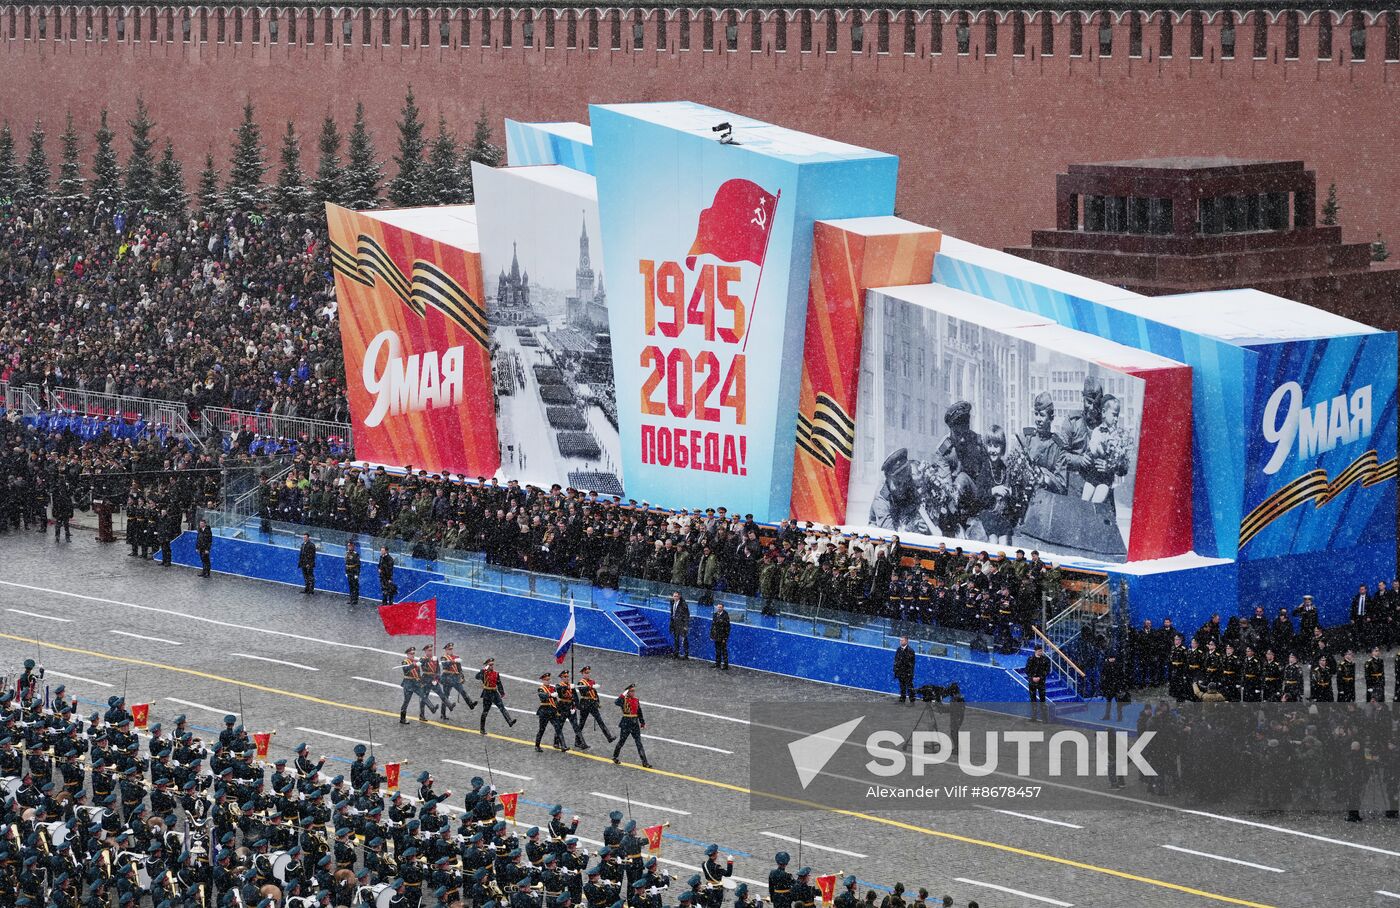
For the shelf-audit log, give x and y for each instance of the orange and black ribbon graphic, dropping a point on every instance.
(1316, 487)
(427, 285)
(827, 432)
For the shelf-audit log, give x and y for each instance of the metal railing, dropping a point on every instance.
(227, 421)
(1072, 674)
(19, 399)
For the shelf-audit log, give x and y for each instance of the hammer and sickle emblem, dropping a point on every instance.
(760, 218)
(422, 613)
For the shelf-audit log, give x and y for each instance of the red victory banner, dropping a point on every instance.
(736, 226)
(417, 618)
(827, 886)
(140, 714)
(391, 775)
(509, 802)
(653, 834)
(262, 742)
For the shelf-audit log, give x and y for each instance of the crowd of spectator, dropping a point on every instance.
(232, 310)
(603, 538)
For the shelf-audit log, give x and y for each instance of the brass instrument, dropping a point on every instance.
(202, 896)
(44, 845)
(104, 862)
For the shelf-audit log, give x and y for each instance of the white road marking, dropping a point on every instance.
(1390, 895)
(608, 797)
(212, 709)
(152, 639)
(309, 668)
(377, 681)
(1217, 857)
(329, 734)
(77, 678)
(492, 770)
(1027, 816)
(1007, 889)
(20, 611)
(718, 750)
(806, 844)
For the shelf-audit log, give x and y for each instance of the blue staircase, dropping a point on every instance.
(652, 641)
(1056, 691)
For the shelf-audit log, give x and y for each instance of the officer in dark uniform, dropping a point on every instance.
(429, 668)
(1375, 677)
(306, 560)
(804, 894)
(1037, 671)
(631, 724)
(387, 588)
(1271, 673)
(1230, 674)
(204, 545)
(352, 570)
(1322, 690)
(631, 852)
(780, 882)
(847, 897)
(1346, 678)
(1195, 664)
(1177, 684)
(1251, 677)
(1292, 680)
(548, 713)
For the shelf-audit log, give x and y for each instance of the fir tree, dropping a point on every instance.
(208, 192)
(9, 167)
(106, 173)
(407, 186)
(141, 164)
(291, 194)
(247, 164)
(363, 174)
(170, 194)
(481, 150)
(329, 185)
(1331, 208)
(36, 168)
(443, 181)
(70, 170)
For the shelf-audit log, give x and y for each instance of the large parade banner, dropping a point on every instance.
(547, 308)
(707, 229)
(415, 339)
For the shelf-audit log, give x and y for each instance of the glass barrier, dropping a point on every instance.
(814, 619)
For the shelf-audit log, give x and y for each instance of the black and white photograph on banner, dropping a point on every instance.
(968, 429)
(541, 258)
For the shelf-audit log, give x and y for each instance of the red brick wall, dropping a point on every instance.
(980, 137)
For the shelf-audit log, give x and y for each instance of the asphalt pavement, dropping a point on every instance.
(314, 670)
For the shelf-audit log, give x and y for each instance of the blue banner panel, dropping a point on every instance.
(569, 144)
(707, 234)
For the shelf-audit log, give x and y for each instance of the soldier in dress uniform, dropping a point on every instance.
(204, 545)
(412, 683)
(587, 694)
(1251, 677)
(387, 588)
(1178, 685)
(1271, 673)
(548, 714)
(847, 897)
(1037, 671)
(1322, 691)
(780, 882)
(492, 693)
(565, 702)
(1230, 674)
(429, 668)
(1346, 678)
(1375, 677)
(1292, 680)
(631, 724)
(714, 873)
(352, 570)
(451, 677)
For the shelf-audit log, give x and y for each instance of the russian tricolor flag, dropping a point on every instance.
(566, 639)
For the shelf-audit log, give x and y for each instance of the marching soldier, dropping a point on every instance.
(631, 725)
(412, 683)
(587, 695)
(564, 696)
(631, 849)
(712, 894)
(450, 676)
(306, 560)
(1375, 677)
(428, 667)
(352, 570)
(492, 693)
(848, 897)
(804, 894)
(387, 588)
(548, 713)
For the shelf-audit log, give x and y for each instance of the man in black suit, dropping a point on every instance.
(904, 670)
(204, 544)
(719, 633)
(1363, 604)
(306, 560)
(387, 588)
